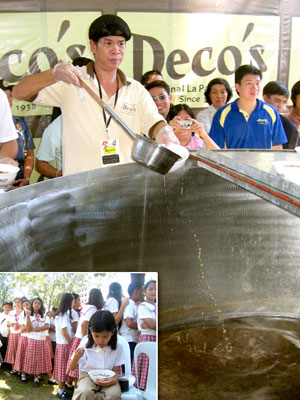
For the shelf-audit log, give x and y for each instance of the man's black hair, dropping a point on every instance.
(134, 286)
(161, 84)
(275, 87)
(145, 77)
(109, 25)
(294, 93)
(246, 69)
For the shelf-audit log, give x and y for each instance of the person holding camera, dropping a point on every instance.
(188, 130)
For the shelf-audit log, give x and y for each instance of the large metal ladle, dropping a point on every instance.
(145, 151)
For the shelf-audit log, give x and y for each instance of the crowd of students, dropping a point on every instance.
(58, 343)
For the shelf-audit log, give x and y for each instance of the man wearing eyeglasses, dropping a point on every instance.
(160, 92)
(90, 137)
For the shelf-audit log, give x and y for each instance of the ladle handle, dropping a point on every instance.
(106, 108)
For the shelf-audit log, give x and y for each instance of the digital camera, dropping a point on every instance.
(186, 124)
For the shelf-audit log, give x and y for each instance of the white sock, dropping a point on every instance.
(36, 379)
(60, 391)
(52, 380)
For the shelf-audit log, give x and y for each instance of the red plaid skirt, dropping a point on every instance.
(37, 358)
(142, 363)
(12, 348)
(48, 340)
(60, 362)
(73, 374)
(20, 356)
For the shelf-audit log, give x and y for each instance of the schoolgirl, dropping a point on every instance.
(23, 341)
(146, 320)
(4, 330)
(14, 334)
(65, 318)
(99, 350)
(77, 304)
(94, 303)
(114, 302)
(38, 357)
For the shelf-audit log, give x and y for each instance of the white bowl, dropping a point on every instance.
(288, 169)
(8, 174)
(298, 150)
(182, 152)
(100, 374)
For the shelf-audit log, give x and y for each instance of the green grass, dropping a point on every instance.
(11, 388)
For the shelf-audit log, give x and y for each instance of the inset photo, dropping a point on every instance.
(78, 336)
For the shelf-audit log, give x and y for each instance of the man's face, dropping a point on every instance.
(277, 100)
(249, 88)
(109, 52)
(162, 100)
(298, 101)
(138, 294)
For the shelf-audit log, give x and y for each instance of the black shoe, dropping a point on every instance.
(63, 395)
(14, 372)
(52, 383)
(36, 383)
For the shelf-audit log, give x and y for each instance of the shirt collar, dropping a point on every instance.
(106, 349)
(121, 75)
(235, 107)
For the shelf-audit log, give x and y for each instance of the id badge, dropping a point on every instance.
(110, 152)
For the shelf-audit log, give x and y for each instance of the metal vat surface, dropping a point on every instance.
(219, 249)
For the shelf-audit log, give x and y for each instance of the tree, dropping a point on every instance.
(50, 286)
(6, 288)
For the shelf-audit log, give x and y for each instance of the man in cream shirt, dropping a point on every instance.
(91, 138)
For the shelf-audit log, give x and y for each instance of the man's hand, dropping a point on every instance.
(67, 73)
(166, 136)
(19, 183)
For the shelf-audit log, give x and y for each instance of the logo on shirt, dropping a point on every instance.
(129, 108)
(262, 121)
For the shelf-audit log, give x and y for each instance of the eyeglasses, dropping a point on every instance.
(160, 97)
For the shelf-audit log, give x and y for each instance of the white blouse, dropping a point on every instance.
(100, 357)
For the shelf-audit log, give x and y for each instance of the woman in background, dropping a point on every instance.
(217, 94)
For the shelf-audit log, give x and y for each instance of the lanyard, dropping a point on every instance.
(107, 122)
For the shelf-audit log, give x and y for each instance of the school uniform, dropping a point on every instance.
(86, 314)
(22, 346)
(48, 340)
(111, 305)
(145, 310)
(62, 346)
(52, 338)
(131, 335)
(14, 335)
(38, 357)
(4, 331)
(98, 358)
